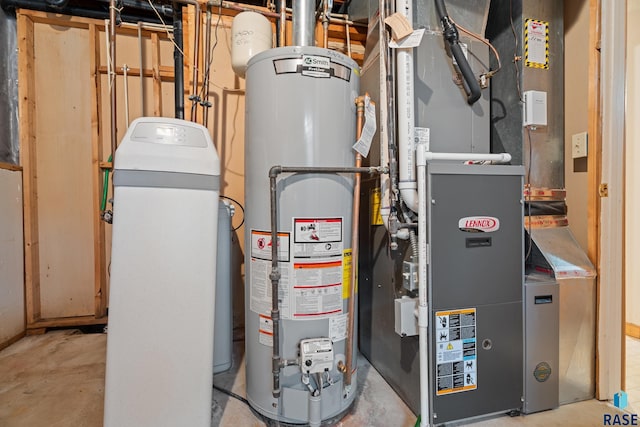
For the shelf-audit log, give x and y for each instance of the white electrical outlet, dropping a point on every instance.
(579, 145)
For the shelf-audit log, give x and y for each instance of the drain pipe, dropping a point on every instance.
(194, 97)
(277, 363)
(178, 62)
(406, 119)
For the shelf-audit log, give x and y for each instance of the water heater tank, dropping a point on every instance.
(300, 111)
(250, 34)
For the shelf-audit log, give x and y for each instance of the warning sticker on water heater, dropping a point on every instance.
(260, 288)
(317, 237)
(265, 329)
(261, 245)
(456, 351)
(317, 289)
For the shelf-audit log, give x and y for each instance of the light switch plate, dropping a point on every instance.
(579, 143)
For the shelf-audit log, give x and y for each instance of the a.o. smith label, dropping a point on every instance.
(316, 66)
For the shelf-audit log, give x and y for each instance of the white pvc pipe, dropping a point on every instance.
(499, 158)
(385, 181)
(125, 72)
(406, 119)
(423, 307)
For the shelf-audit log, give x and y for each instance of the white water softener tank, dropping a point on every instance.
(300, 111)
(161, 301)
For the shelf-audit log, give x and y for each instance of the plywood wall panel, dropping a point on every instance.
(63, 146)
(12, 300)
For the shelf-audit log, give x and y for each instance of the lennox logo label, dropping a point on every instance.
(316, 61)
(479, 224)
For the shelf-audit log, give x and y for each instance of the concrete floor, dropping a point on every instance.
(57, 380)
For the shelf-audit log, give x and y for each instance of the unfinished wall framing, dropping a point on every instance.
(64, 136)
(64, 92)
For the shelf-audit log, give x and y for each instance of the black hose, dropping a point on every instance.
(450, 34)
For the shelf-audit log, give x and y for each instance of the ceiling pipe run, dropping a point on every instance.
(132, 10)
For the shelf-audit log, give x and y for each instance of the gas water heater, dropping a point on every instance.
(300, 111)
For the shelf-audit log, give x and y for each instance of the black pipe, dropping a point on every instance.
(132, 11)
(450, 34)
(278, 41)
(178, 61)
(274, 276)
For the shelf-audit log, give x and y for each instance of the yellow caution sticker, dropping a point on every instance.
(374, 202)
(346, 273)
(536, 44)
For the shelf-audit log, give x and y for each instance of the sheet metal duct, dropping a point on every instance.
(556, 252)
(545, 143)
(9, 137)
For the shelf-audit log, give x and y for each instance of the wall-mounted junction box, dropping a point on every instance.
(535, 108)
(406, 322)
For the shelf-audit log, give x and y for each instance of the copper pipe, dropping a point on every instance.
(196, 58)
(283, 23)
(325, 24)
(354, 248)
(348, 41)
(244, 8)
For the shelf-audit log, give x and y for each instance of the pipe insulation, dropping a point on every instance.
(9, 137)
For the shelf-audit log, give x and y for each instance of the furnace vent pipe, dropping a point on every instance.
(406, 116)
(304, 19)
